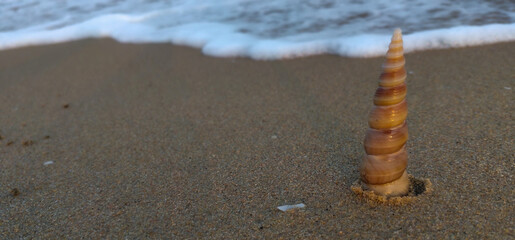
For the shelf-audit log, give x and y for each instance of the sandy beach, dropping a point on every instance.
(103, 140)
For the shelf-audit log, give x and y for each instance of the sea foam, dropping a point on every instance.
(265, 30)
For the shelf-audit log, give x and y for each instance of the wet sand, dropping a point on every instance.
(160, 141)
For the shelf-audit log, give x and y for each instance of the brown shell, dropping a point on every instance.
(393, 64)
(391, 79)
(385, 141)
(390, 116)
(386, 158)
(381, 169)
(390, 95)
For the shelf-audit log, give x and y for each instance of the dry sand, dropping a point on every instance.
(159, 141)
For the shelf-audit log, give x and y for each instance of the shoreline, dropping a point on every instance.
(160, 141)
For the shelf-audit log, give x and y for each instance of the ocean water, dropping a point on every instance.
(262, 29)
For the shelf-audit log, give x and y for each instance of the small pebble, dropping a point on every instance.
(285, 208)
(274, 137)
(48, 163)
(507, 88)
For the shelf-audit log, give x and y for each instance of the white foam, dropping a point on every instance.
(264, 30)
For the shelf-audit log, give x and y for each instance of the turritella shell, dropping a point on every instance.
(383, 168)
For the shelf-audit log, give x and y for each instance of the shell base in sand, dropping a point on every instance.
(399, 187)
(417, 188)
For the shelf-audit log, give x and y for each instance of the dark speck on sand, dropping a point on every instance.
(14, 192)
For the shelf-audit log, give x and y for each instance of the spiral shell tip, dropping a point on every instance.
(397, 31)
